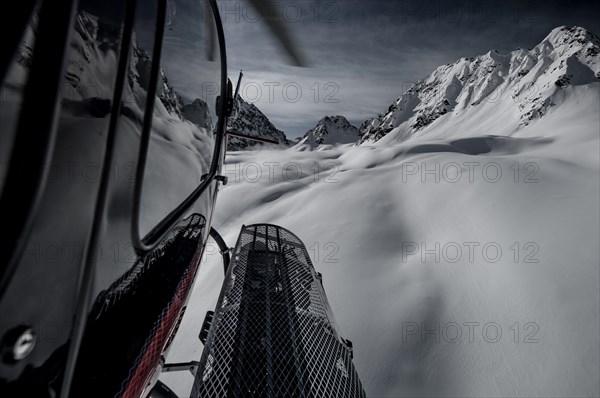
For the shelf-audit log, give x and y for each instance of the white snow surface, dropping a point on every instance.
(426, 235)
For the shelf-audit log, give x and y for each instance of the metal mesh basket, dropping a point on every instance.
(273, 333)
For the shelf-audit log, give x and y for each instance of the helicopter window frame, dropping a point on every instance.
(32, 148)
(145, 244)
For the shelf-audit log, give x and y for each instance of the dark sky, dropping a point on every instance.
(362, 55)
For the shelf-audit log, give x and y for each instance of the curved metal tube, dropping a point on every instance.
(87, 273)
(222, 246)
(144, 245)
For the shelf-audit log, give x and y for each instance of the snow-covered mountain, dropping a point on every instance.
(512, 89)
(139, 74)
(198, 113)
(251, 121)
(330, 130)
(89, 84)
(462, 261)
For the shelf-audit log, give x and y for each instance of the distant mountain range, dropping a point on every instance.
(517, 88)
(508, 91)
(496, 92)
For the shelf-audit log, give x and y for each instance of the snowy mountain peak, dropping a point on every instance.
(197, 112)
(251, 121)
(569, 36)
(330, 130)
(523, 84)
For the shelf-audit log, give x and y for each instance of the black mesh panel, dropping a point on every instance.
(273, 331)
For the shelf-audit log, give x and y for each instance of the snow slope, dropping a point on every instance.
(520, 322)
(463, 261)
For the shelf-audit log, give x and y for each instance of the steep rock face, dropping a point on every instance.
(88, 69)
(330, 130)
(524, 81)
(251, 121)
(198, 113)
(139, 77)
